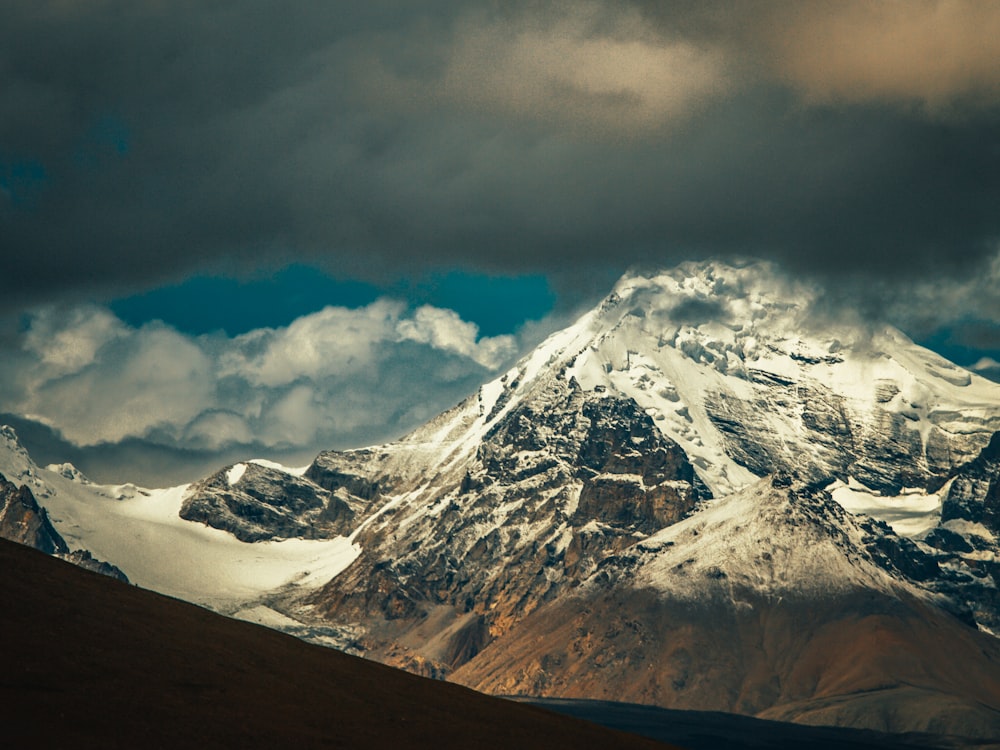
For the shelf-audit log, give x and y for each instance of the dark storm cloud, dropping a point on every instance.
(142, 140)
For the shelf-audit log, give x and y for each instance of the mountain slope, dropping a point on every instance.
(767, 602)
(553, 486)
(143, 534)
(161, 673)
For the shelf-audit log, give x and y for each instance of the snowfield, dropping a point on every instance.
(141, 532)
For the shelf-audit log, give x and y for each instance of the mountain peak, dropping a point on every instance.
(709, 348)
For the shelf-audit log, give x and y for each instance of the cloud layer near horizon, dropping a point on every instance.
(140, 141)
(332, 377)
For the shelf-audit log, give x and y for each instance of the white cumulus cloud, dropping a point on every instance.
(336, 376)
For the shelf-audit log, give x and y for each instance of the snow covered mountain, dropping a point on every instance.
(141, 531)
(701, 494)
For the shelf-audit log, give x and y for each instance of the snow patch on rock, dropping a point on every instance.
(235, 473)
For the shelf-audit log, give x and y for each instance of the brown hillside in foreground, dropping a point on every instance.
(91, 662)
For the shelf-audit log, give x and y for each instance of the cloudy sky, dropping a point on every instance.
(253, 227)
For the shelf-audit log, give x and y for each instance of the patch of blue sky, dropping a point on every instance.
(965, 342)
(206, 304)
(497, 304)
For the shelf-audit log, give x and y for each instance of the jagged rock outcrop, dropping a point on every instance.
(255, 503)
(23, 521)
(83, 559)
(974, 495)
(966, 545)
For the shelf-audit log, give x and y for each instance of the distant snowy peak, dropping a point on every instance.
(15, 463)
(736, 365)
(68, 471)
(19, 467)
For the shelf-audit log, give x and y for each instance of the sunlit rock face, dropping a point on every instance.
(23, 521)
(255, 503)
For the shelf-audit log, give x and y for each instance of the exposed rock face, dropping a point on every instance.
(975, 493)
(23, 521)
(967, 544)
(350, 472)
(264, 503)
(83, 559)
(518, 525)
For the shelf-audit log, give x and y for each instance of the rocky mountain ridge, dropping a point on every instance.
(24, 521)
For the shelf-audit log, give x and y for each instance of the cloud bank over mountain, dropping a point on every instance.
(140, 142)
(331, 377)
